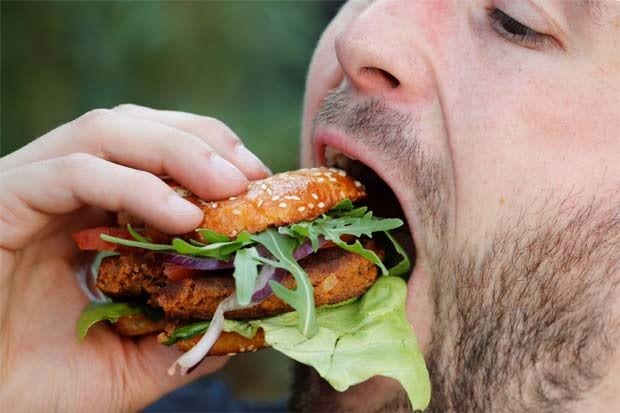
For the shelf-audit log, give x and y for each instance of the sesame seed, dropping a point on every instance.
(236, 212)
(342, 195)
(321, 205)
(295, 198)
(317, 174)
(333, 180)
(310, 205)
(320, 180)
(333, 169)
(282, 204)
(288, 197)
(232, 198)
(259, 203)
(315, 196)
(342, 173)
(233, 233)
(263, 187)
(301, 208)
(214, 205)
(269, 191)
(358, 184)
(251, 347)
(275, 197)
(242, 349)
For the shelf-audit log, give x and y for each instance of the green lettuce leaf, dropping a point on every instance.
(354, 342)
(246, 271)
(96, 312)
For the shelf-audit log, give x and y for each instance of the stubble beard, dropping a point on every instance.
(522, 325)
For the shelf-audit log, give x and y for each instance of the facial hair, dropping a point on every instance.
(524, 324)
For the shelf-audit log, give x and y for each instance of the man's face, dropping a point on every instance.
(497, 126)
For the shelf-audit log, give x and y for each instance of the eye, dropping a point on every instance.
(515, 31)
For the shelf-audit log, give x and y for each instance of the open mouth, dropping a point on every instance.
(382, 200)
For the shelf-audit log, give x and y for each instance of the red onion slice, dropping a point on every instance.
(196, 354)
(208, 264)
(194, 263)
(86, 272)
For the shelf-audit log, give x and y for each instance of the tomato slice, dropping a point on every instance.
(90, 239)
(176, 273)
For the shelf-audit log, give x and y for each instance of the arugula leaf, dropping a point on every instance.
(136, 234)
(96, 312)
(356, 222)
(401, 268)
(219, 250)
(302, 231)
(302, 298)
(211, 236)
(137, 244)
(246, 330)
(358, 249)
(343, 205)
(246, 271)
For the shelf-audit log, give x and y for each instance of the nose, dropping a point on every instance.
(382, 56)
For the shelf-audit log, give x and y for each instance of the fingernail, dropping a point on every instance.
(250, 159)
(181, 206)
(226, 169)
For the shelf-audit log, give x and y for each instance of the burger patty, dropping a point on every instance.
(337, 275)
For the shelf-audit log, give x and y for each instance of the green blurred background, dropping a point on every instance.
(243, 62)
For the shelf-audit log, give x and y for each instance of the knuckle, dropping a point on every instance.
(140, 178)
(77, 160)
(224, 132)
(94, 117)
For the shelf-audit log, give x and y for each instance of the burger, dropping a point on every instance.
(294, 263)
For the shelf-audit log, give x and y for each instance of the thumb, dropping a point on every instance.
(150, 381)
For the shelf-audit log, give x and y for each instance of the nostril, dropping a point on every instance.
(380, 75)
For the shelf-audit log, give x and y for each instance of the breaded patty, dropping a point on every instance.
(130, 275)
(336, 275)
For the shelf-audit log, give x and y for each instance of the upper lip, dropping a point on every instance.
(345, 144)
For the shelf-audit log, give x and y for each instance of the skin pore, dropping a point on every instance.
(500, 137)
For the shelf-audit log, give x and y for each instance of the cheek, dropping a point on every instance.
(530, 139)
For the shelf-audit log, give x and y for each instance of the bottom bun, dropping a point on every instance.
(228, 344)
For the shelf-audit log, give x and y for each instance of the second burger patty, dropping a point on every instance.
(336, 275)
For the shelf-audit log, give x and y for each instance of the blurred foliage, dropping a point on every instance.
(243, 62)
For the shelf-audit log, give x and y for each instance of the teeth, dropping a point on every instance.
(334, 158)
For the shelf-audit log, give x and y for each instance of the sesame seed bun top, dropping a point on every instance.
(279, 200)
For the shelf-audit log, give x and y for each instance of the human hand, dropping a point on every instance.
(106, 160)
